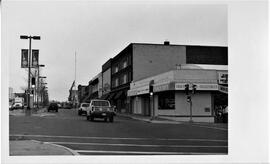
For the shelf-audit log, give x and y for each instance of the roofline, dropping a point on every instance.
(156, 44)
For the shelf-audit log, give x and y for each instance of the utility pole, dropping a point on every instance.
(189, 97)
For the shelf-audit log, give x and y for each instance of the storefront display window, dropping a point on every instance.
(166, 100)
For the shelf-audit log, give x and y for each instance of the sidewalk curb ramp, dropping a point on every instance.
(38, 148)
(60, 146)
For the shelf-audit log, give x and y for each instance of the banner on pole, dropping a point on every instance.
(24, 58)
(35, 54)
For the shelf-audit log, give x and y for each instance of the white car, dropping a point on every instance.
(100, 109)
(83, 108)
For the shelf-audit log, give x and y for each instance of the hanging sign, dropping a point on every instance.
(24, 58)
(35, 58)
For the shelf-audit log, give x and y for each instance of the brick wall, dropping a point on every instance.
(150, 60)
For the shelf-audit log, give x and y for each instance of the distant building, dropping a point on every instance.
(81, 92)
(73, 95)
(93, 88)
(10, 93)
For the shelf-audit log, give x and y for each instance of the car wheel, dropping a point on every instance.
(87, 118)
(111, 119)
(105, 119)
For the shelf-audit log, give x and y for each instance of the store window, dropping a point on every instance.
(166, 100)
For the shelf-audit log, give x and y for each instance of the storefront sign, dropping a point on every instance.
(132, 92)
(162, 87)
(138, 91)
(223, 78)
(181, 86)
(223, 89)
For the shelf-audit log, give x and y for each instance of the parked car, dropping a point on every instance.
(17, 106)
(53, 106)
(100, 109)
(83, 108)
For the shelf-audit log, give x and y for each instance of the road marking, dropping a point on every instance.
(118, 138)
(147, 153)
(138, 145)
(209, 127)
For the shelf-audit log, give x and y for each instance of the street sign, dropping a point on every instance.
(24, 58)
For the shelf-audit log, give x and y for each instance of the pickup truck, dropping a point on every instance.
(100, 109)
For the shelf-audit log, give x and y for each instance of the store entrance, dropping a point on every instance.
(146, 105)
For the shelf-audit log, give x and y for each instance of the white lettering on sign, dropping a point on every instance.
(181, 86)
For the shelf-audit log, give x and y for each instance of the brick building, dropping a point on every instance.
(138, 61)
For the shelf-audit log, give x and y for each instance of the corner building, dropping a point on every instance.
(139, 60)
(169, 96)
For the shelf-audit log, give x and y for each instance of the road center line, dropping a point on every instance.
(118, 138)
(137, 145)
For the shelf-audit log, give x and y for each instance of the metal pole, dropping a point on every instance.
(190, 109)
(38, 87)
(35, 91)
(29, 70)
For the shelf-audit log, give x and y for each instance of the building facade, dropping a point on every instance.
(106, 79)
(138, 61)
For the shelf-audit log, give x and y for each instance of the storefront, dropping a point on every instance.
(170, 97)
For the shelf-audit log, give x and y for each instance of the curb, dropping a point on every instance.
(165, 121)
(60, 146)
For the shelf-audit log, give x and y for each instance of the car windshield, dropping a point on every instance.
(100, 103)
(85, 105)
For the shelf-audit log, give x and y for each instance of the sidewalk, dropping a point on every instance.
(25, 147)
(169, 120)
(41, 112)
(32, 147)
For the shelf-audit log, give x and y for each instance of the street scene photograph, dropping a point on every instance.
(117, 79)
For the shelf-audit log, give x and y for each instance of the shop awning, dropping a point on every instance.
(104, 97)
(118, 94)
(111, 96)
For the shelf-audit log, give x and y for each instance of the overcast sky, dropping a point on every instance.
(98, 31)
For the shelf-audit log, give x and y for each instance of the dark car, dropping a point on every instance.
(53, 106)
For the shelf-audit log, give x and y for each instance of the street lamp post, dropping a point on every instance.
(29, 65)
(38, 89)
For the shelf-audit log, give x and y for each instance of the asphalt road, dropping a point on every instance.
(124, 136)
